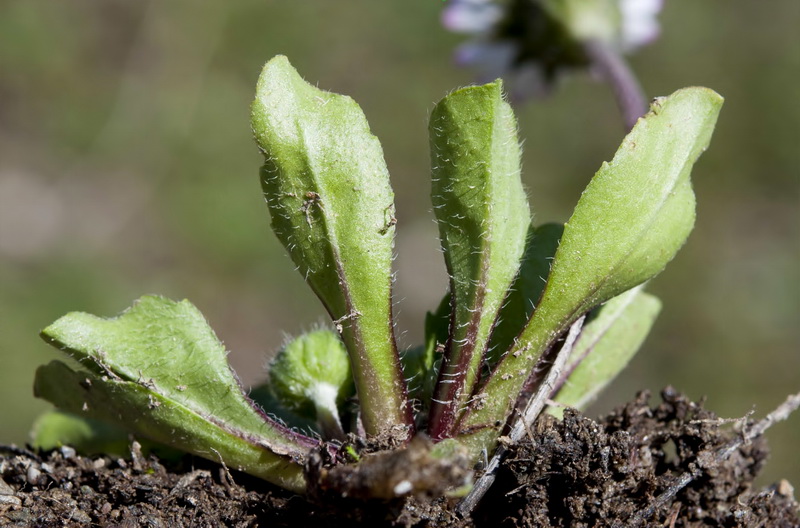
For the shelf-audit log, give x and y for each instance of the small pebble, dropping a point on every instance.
(785, 488)
(5, 489)
(67, 452)
(81, 517)
(47, 468)
(33, 475)
(100, 463)
(740, 514)
(10, 500)
(21, 516)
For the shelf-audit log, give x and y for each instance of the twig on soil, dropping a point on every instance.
(723, 421)
(543, 393)
(522, 424)
(224, 473)
(781, 413)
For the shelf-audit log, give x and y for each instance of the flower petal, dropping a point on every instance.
(470, 16)
(639, 22)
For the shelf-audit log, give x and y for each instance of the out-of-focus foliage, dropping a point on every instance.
(127, 167)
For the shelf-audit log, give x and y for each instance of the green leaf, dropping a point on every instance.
(606, 345)
(524, 294)
(483, 217)
(421, 364)
(437, 327)
(637, 211)
(55, 428)
(630, 221)
(328, 192)
(159, 371)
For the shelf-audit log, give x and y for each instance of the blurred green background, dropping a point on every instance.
(127, 167)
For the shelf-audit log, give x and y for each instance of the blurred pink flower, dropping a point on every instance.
(523, 42)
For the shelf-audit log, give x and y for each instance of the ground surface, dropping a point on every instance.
(575, 473)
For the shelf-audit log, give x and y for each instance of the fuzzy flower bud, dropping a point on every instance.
(311, 376)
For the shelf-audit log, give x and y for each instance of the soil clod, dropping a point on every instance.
(572, 473)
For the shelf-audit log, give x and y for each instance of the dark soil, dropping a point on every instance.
(575, 473)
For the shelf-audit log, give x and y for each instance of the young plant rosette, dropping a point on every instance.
(515, 290)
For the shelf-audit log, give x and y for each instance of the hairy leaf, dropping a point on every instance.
(630, 221)
(159, 371)
(483, 217)
(327, 188)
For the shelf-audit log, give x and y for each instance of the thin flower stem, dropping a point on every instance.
(627, 90)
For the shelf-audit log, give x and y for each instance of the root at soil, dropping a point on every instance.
(573, 473)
